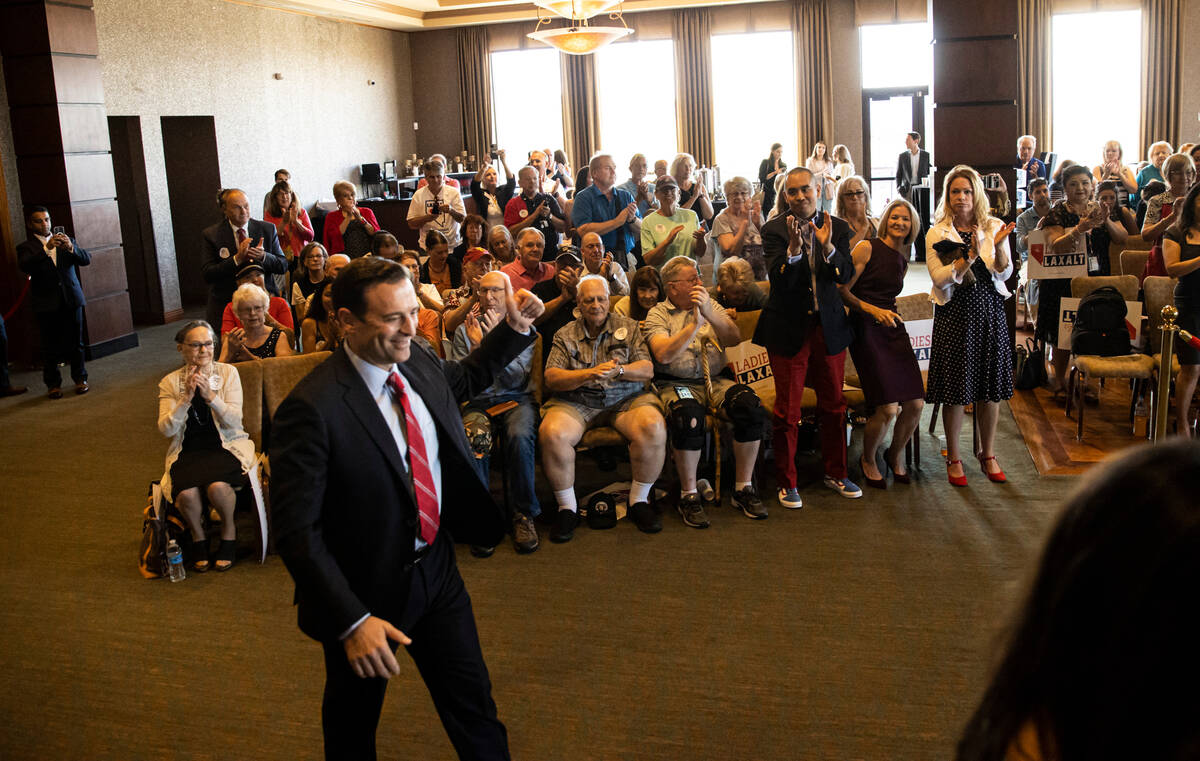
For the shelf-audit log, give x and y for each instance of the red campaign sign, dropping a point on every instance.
(1037, 251)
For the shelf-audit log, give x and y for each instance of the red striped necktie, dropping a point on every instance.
(422, 475)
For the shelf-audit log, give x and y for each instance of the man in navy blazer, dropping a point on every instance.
(51, 259)
(354, 444)
(805, 330)
(232, 244)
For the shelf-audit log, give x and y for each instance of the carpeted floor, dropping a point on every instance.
(847, 630)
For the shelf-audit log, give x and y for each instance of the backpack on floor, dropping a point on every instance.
(160, 524)
(1100, 324)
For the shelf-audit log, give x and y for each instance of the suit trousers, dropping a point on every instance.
(445, 648)
(824, 373)
(62, 341)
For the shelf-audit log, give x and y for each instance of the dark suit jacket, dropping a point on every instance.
(220, 272)
(343, 510)
(52, 287)
(787, 318)
(904, 177)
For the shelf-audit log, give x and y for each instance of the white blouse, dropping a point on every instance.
(945, 277)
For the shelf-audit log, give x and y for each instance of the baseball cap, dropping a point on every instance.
(665, 181)
(567, 255)
(249, 269)
(475, 253)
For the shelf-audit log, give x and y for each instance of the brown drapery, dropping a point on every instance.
(814, 76)
(581, 128)
(475, 89)
(1161, 49)
(1036, 109)
(692, 32)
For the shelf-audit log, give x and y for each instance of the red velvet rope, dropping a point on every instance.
(17, 305)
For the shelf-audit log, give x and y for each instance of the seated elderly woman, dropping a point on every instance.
(645, 290)
(320, 330)
(200, 411)
(306, 279)
(256, 339)
(737, 229)
(737, 288)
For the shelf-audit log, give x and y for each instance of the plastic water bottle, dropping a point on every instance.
(175, 569)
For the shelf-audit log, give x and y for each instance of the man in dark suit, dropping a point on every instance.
(51, 259)
(805, 330)
(372, 482)
(231, 245)
(911, 170)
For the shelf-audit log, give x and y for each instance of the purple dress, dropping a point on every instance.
(887, 367)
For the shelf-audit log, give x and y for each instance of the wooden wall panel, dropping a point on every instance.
(78, 80)
(29, 81)
(98, 223)
(105, 276)
(966, 71)
(108, 318)
(84, 128)
(955, 18)
(35, 129)
(43, 179)
(24, 30)
(90, 176)
(72, 29)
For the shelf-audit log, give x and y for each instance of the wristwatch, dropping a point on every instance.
(620, 371)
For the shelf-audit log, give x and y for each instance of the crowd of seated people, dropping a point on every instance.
(632, 339)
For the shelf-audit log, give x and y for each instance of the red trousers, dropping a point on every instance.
(811, 366)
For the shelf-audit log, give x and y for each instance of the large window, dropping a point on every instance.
(753, 109)
(1096, 96)
(635, 87)
(526, 119)
(896, 55)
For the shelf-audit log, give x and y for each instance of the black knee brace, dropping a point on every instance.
(745, 410)
(686, 418)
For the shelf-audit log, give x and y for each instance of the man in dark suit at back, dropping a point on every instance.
(232, 244)
(911, 170)
(371, 484)
(805, 330)
(52, 260)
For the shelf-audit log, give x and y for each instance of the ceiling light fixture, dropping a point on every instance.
(580, 38)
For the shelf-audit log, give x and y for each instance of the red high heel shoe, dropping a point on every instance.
(996, 478)
(955, 480)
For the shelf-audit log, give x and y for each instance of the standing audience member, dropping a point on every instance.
(292, 224)
(490, 196)
(348, 228)
(1179, 172)
(533, 209)
(738, 228)
(449, 182)
(6, 386)
(912, 167)
(545, 182)
(474, 235)
(200, 411)
(1181, 253)
(882, 351)
(1101, 660)
(843, 167)
(970, 359)
(436, 207)
(1116, 228)
(670, 230)
(597, 261)
(307, 278)
(1156, 154)
(500, 244)
(737, 288)
(597, 369)
(281, 175)
(608, 211)
(278, 314)
(429, 318)
(769, 169)
(805, 330)
(233, 243)
(645, 290)
(1153, 188)
(320, 330)
(562, 170)
(507, 403)
(1113, 169)
(1028, 221)
(660, 167)
(255, 339)
(821, 166)
(1027, 158)
(641, 191)
(687, 334)
(529, 268)
(1058, 187)
(852, 204)
(52, 259)
(444, 273)
(692, 195)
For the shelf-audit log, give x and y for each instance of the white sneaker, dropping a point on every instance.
(790, 498)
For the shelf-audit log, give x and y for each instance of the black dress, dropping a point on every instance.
(1187, 298)
(971, 356)
(356, 240)
(203, 460)
(267, 348)
(887, 368)
(1051, 292)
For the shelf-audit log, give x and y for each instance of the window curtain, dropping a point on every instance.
(475, 89)
(1161, 22)
(1035, 110)
(581, 127)
(814, 77)
(692, 33)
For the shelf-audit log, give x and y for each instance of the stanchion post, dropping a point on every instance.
(1169, 331)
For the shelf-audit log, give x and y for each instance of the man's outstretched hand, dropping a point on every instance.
(521, 308)
(369, 652)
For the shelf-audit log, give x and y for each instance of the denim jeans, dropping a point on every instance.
(517, 437)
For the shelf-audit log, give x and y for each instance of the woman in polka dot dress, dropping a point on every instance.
(970, 360)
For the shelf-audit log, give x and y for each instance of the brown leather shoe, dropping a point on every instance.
(55, 393)
(81, 387)
(13, 390)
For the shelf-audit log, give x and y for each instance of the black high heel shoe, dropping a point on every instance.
(875, 483)
(900, 478)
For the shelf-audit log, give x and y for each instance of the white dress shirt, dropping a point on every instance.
(51, 251)
(915, 161)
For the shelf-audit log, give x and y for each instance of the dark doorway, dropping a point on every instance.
(137, 228)
(193, 179)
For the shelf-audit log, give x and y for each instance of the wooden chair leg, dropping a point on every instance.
(1080, 383)
(933, 418)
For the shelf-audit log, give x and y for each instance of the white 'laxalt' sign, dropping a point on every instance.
(1044, 264)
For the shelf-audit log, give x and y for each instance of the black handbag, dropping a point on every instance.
(1029, 370)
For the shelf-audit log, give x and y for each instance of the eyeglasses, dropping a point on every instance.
(854, 194)
(199, 344)
(686, 281)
